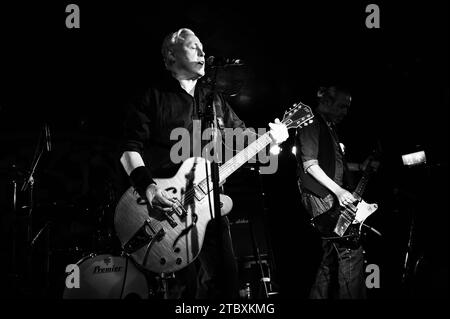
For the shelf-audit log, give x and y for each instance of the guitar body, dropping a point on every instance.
(336, 221)
(161, 243)
(331, 223)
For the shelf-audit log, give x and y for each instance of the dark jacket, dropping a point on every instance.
(325, 155)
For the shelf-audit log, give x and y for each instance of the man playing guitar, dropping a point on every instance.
(322, 174)
(175, 102)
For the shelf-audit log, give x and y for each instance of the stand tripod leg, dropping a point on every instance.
(164, 283)
(263, 279)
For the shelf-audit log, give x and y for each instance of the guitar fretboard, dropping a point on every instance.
(359, 191)
(240, 159)
(243, 156)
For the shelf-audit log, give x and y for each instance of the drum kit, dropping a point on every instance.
(48, 242)
(86, 243)
(105, 271)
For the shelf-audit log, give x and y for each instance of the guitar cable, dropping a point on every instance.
(336, 237)
(124, 277)
(372, 229)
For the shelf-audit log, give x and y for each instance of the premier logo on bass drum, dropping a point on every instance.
(101, 270)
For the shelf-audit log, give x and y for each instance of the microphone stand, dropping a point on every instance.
(211, 119)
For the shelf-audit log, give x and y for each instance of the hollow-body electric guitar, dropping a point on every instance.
(165, 242)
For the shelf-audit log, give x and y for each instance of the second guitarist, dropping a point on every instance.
(322, 176)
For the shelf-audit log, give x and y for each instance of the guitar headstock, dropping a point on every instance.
(373, 161)
(297, 116)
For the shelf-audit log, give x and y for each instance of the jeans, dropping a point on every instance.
(341, 272)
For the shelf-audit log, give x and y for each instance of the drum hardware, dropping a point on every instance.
(257, 252)
(43, 145)
(164, 283)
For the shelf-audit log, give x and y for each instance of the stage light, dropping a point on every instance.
(294, 150)
(415, 158)
(275, 150)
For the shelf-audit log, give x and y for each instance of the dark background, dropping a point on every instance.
(79, 81)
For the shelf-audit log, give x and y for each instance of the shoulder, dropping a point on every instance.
(311, 127)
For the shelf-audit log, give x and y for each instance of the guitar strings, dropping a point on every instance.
(229, 164)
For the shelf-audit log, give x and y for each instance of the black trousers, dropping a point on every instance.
(214, 274)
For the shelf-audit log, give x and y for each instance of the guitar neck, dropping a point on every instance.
(359, 191)
(297, 116)
(243, 156)
(240, 159)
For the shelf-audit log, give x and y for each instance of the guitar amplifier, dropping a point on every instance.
(246, 191)
(242, 238)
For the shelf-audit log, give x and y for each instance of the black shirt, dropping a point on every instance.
(163, 108)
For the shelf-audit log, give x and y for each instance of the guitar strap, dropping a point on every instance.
(345, 178)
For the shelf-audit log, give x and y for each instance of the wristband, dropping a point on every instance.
(141, 178)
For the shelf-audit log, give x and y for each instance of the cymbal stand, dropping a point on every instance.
(28, 186)
(265, 279)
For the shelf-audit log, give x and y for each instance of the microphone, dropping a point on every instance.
(213, 61)
(48, 141)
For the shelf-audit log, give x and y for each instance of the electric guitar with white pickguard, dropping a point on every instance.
(336, 221)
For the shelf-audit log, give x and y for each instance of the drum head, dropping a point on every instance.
(105, 277)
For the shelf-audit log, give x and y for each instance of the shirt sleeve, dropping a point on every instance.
(230, 118)
(136, 130)
(308, 145)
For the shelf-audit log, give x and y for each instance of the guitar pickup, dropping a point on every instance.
(180, 210)
(170, 219)
(144, 236)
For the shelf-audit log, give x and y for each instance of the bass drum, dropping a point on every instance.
(106, 277)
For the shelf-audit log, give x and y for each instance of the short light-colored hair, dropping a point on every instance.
(170, 41)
